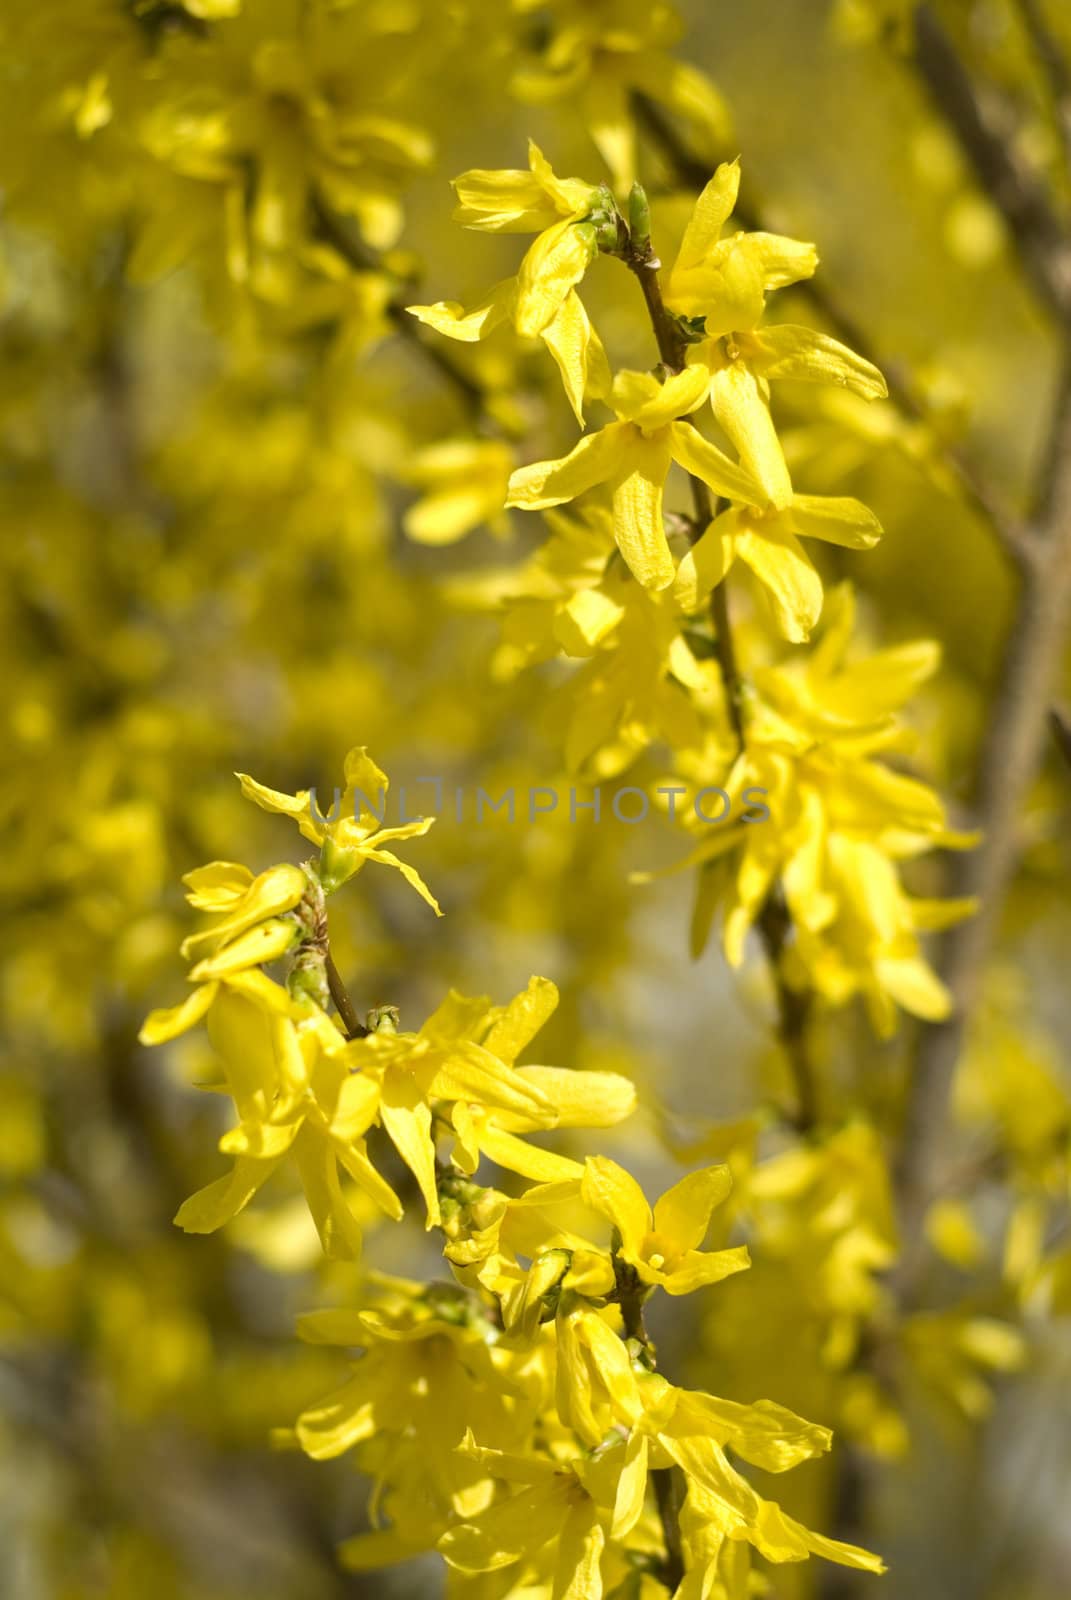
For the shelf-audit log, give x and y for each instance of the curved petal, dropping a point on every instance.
(637, 507)
(597, 458)
(745, 417)
(683, 1213)
(704, 566)
(786, 572)
(728, 479)
(807, 356)
(450, 318)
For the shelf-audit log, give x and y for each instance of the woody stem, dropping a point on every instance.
(355, 1028)
(774, 922)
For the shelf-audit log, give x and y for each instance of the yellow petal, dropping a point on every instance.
(531, 1161)
(712, 211)
(805, 355)
(521, 1020)
(704, 566)
(506, 200)
(159, 1026)
(637, 508)
(583, 1099)
(554, 263)
(218, 885)
(783, 260)
(407, 1120)
(410, 874)
(218, 1202)
(745, 417)
(837, 519)
(266, 942)
(640, 398)
(697, 455)
(347, 1418)
(578, 351)
(582, 1539)
(596, 459)
(697, 1270)
(683, 1212)
(587, 618)
(916, 987)
(338, 1228)
(615, 1193)
(450, 318)
(781, 565)
(505, 1532)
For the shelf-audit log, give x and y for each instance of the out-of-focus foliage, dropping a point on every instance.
(254, 516)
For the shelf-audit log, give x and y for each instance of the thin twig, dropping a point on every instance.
(774, 922)
(1011, 754)
(667, 1497)
(1060, 725)
(352, 248)
(1054, 65)
(631, 1294)
(1037, 234)
(355, 1028)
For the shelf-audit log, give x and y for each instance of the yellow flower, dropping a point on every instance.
(633, 457)
(724, 283)
(561, 1518)
(597, 1387)
(767, 542)
(284, 1064)
(541, 301)
(489, 1126)
(838, 821)
(350, 832)
(250, 926)
(464, 483)
(603, 54)
(663, 1248)
(429, 1372)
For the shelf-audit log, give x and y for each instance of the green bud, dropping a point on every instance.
(383, 1019)
(639, 218)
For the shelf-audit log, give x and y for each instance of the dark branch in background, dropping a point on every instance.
(1051, 60)
(1014, 744)
(1060, 724)
(1011, 754)
(342, 237)
(1037, 233)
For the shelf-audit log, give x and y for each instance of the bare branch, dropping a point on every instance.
(1037, 233)
(1011, 754)
(1054, 65)
(352, 248)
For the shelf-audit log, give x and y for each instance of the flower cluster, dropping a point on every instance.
(654, 627)
(513, 1416)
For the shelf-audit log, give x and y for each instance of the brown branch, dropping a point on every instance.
(1037, 234)
(355, 1028)
(666, 1482)
(1010, 757)
(774, 923)
(335, 230)
(1054, 65)
(631, 1294)
(1060, 726)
